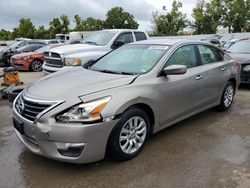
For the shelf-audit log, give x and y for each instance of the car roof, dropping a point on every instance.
(167, 42)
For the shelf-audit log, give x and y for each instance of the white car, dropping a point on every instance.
(94, 46)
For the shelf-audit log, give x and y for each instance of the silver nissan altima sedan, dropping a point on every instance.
(115, 103)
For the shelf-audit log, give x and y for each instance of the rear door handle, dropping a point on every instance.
(198, 77)
(223, 68)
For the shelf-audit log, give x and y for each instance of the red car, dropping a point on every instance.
(31, 61)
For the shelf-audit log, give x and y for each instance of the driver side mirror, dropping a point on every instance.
(175, 70)
(118, 44)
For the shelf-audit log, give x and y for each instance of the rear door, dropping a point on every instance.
(214, 69)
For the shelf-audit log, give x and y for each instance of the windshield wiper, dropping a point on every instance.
(112, 72)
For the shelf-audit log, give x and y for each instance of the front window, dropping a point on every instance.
(184, 56)
(99, 38)
(43, 49)
(240, 47)
(131, 59)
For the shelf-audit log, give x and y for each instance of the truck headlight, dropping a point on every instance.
(72, 61)
(86, 112)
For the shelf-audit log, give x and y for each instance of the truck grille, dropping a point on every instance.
(53, 59)
(29, 109)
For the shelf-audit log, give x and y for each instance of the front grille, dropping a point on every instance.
(53, 62)
(53, 59)
(29, 109)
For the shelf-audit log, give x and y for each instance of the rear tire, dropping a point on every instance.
(36, 65)
(227, 97)
(129, 135)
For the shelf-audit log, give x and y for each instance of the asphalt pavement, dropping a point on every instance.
(211, 149)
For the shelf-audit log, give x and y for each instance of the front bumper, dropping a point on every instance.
(245, 74)
(20, 64)
(48, 139)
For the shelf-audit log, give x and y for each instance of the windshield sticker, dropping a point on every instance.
(158, 47)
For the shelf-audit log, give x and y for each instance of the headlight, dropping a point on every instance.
(25, 58)
(86, 112)
(72, 61)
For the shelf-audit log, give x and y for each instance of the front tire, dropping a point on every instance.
(36, 65)
(227, 97)
(129, 135)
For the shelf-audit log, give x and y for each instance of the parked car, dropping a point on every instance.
(95, 45)
(115, 102)
(214, 41)
(241, 51)
(229, 43)
(19, 47)
(31, 61)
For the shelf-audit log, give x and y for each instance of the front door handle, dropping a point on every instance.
(198, 77)
(223, 68)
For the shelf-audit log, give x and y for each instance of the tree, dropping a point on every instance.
(117, 18)
(5, 35)
(25, 29)
(42, 33)
(169, 23)
(65, 24)
(92, 24)
(55, 27)
(236, 14)
(207, 17)
(78, 22)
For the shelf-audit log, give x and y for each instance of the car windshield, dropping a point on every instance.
(43, 49)
(131, 59)
(14, 45)
(99, 38)
(240, 47)
(23, 48)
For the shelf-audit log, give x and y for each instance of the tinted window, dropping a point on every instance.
(140, 36)
(126, 38)
(184, 56)
(209, 54)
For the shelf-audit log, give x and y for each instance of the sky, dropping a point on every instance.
(41, 12)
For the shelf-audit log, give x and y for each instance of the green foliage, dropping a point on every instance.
(92, 24)
(25, 29)
(207, 17)
(42, 33)
(5, 35)
(233, 14)
(170, 22)
(117, 18)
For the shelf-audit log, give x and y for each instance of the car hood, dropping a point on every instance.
(243, 58)
(66, 85)
(24, 54)
(75, 48)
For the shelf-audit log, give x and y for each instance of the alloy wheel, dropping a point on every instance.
(133, 135)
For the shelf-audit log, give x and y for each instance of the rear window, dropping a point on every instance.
(140, 36)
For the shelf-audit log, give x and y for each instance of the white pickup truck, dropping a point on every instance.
(94, 46)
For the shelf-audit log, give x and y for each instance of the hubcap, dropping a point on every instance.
(228, 96)
(36, 66)
(133, 135)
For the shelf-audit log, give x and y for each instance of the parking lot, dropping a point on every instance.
(210, 149)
